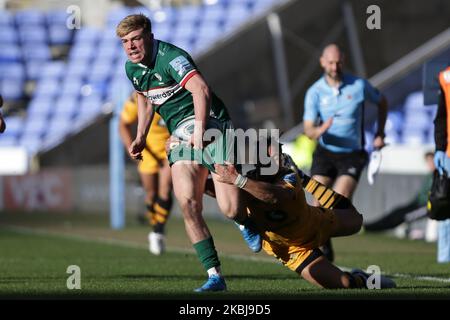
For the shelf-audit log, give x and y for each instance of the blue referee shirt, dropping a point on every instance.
(346, 105)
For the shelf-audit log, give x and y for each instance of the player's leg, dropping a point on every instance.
(232, 202)
(327, 248)
(188, 185)
(324, 274)
(163, 201)
(149, 184)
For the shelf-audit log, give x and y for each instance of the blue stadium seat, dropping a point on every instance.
(183, 31)
(38, 52)
(36, 125)
(414, 101)
(59, 125)
(261, 6)
(30, 17)
(12, 89)
(78, 68)
(100, 71)
(82, 51)
(119, 84)
(215, 12)
(162, 31)
(164, 14)
(14, 126)
(31, 142)
(106, 52)
(47, 87)
(53, 70)
(116, 15)
(56, 17)
(59, 35)
(40, 107)
(90, 105)
(33, 69)
(188, 14)
(7, 140)
(66, 105)
(140, 9)
(33, 34)
(87, 35)
(72, 86)
(185, 44)
(10, 53)
(6, 19)
(12, 70)
(418, 120)
(8, 35)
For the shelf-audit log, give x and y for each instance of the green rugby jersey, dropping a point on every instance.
(163, 84)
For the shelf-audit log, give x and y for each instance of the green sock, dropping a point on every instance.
(207, 253)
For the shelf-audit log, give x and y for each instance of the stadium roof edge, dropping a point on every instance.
(413, 59)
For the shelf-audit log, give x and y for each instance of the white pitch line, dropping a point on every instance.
(131, 244)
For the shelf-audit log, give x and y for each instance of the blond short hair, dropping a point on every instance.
(132, 23)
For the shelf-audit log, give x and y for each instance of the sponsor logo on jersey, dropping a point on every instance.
(135, 81)
(160, 95)
(181, 65)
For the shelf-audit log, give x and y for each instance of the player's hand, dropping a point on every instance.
(439, 161)
(227, 173)
(196, 139)
(135, 149)
(172, 143)
(378, 142)
(325, 126)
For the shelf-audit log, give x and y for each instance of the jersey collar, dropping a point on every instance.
(154, 53)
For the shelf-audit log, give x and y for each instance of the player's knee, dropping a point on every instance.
(191, 208)
(230, 210)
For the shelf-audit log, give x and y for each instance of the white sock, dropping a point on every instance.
(213, 270)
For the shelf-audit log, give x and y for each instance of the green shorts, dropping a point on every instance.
(219, 151)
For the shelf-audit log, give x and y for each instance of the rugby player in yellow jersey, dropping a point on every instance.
(292, 230)
(154, 171)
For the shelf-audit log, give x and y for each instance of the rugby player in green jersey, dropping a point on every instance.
(168, 82)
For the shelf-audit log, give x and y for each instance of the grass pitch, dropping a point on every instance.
(36, 250)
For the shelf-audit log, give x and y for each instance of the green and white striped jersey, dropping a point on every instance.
(163, 84)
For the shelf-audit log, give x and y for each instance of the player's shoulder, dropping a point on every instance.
(131, 68)
(316, 86)
(355, 80)
(169, 51)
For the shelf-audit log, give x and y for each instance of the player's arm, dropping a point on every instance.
(125, 133)
(315, 132)
(311, 113)
(382, 115)
(440, 133)
(145, 117)
(202, 99)
(266, 192)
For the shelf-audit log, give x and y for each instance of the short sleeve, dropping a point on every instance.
(311, 106)
(371, 93)
(129, 73)
(181, 67)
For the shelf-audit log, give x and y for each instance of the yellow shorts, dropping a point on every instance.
(152, 157)
(297, 252)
